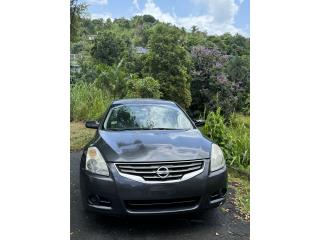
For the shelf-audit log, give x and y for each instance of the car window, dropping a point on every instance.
(146, 116)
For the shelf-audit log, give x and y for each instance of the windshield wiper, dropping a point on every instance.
(167, 129)
(127, 129)
(133, 129)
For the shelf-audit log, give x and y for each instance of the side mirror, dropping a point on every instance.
(199, 123)
(92, 124)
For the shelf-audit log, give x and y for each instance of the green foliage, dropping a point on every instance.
(87, 101)
(239, 131)
(204, 74)
(92, 26)
(112, 79)
(148, 19)
(141, 26)
(241, 186)
(195, 38)
(246, 104)
(216, 130)
(236, 45)
(77, 10)
(219, 80)
(77, 47)
(146, 87)
(169, 63)
(108, 48)
(238, 72)
(233, 138)
(193, 68)
(89, 71)
(237, 120)
(210, 86)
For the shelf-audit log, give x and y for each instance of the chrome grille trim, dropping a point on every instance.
(147, 172)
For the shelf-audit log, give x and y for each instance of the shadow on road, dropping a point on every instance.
(156, 225)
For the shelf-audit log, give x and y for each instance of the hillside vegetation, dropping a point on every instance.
(208, 75)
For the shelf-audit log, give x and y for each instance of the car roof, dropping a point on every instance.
(142, 101)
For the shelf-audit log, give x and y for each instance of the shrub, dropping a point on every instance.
(234, 138)
(146, 87)
(112, 79)
(87, 101)
(239, 131)
(216, 129)
(169, 62)
(238, 120)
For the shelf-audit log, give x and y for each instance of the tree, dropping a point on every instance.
(77, 10)
(211, 70)
(108, 48)
(141, 26)
(194, 38)
(122, 22)
(238, 71)
(146, 87)
(169, 63)
(113, 79)
(210, 86)
(149, 19)
(236, 45)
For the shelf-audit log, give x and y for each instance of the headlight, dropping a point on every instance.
(95, 162)
(217, 159)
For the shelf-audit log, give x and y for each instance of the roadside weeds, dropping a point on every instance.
(241, 185)
(79, 135)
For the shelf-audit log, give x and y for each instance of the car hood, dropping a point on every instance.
(157, 145)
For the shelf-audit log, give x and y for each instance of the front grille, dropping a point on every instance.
(160, 171)
(162, 205)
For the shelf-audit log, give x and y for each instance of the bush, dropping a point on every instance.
(238, 120)
(234, 138)
(147, 87)
(239, 131)
(112, 79)
(216, 130)
(87, 101)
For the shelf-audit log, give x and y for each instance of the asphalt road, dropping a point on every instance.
(221, 223)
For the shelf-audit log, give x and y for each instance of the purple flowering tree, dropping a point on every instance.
(210, 85)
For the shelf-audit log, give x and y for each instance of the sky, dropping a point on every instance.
(212, 16)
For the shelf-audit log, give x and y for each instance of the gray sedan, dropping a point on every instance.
(148, 157)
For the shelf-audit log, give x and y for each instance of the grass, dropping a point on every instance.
(239, 132)
(87, 101)
(79, 135)
(232, 135)
(241, 185)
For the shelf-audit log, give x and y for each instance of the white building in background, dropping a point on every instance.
(141, 50)
(74, 66)
(91, 37)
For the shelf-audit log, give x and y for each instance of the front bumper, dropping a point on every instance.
(118, 195)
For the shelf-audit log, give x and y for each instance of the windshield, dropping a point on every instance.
(146, 117)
